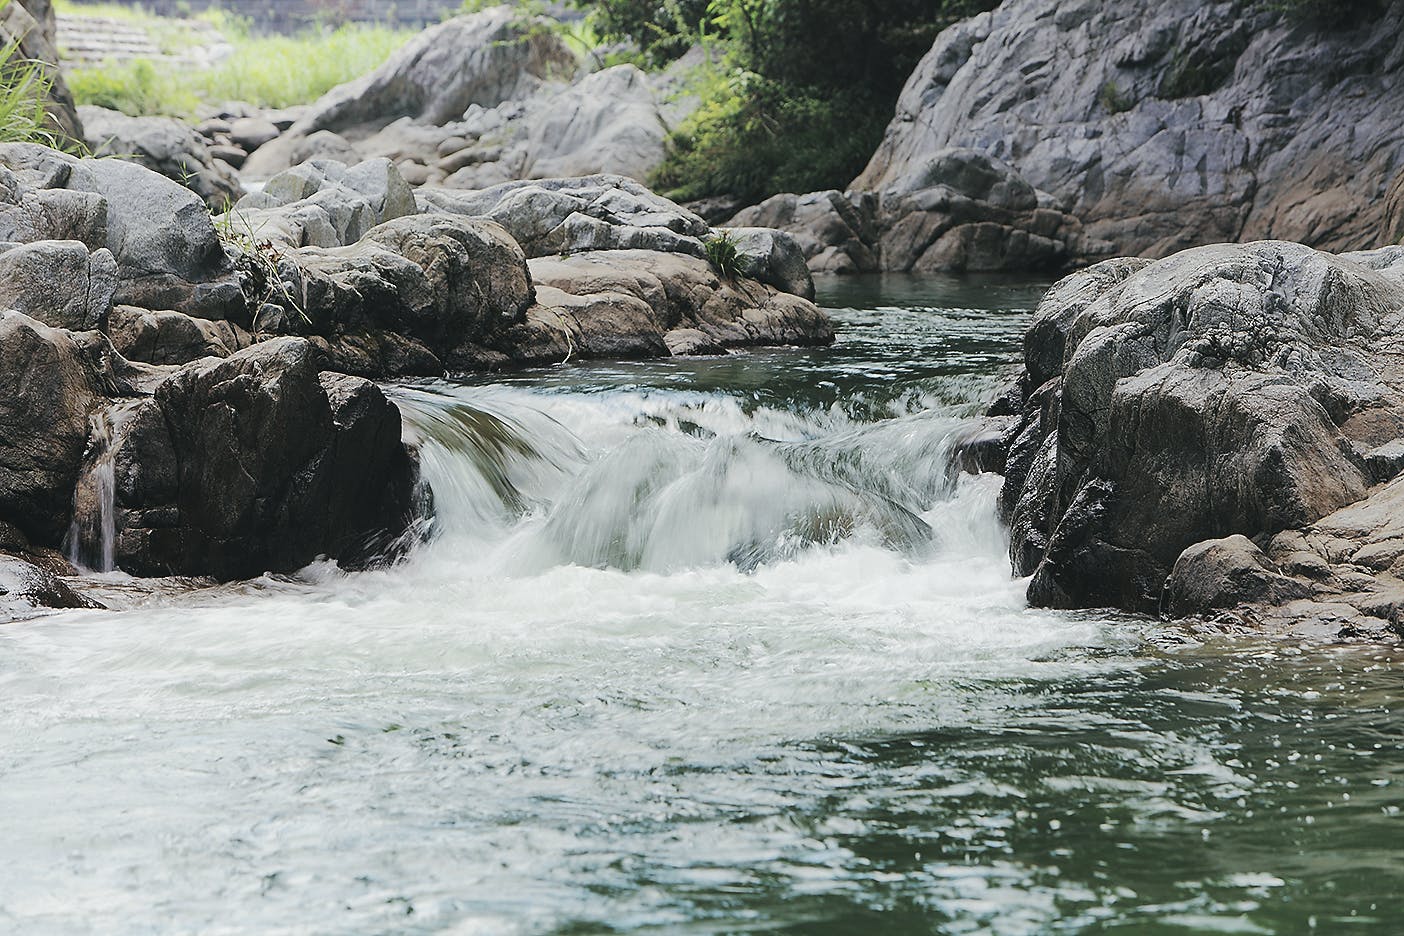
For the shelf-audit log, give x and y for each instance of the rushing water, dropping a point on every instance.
(717, 646)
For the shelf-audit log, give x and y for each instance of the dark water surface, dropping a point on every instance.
(713, 646)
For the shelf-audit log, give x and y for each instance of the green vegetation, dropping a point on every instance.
(267, 71)
(721, 253)
(795, 93)
(1113, 99)
(24, 95)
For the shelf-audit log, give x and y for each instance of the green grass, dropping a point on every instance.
(24, 95)
(266, 71)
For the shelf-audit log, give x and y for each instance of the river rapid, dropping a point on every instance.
(702, 647)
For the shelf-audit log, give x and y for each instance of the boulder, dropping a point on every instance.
(1228, 389)
(26, 588)
(164, 145)
(774, 258)
(172, 337)
(59, 283)
(30, 26)
(634, 303)
(168, 253)
(1225, 573)
(834, 231)
(293, 150)
(250, 133)
(259, 463)
(51, 381)
(1167, 125)
(417, 295)
(555, 216)
(323, 203)
(486, 58)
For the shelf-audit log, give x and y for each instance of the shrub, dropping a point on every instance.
(721, 253)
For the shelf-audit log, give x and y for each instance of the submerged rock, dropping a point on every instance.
(26, 588)
(1227, 389)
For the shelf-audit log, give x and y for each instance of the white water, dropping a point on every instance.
(636, 613)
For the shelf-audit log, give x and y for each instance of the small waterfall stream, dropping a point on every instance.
(92, 536)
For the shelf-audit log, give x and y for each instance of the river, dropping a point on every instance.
(701, 647)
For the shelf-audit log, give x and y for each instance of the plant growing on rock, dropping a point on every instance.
(24, 91)
(722, 254)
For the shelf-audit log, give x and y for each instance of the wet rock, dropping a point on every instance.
(259, 463)
(59, 283)
(51, 380)
(1227, 389)
(1225, 573)
(25, 588)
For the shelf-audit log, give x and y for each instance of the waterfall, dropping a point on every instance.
(662, 481)
(91, 542)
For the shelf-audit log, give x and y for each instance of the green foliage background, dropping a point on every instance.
(797, 93)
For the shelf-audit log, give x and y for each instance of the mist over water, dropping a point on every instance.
(707, 646)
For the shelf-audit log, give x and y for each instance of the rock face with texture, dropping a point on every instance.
(259, 463)
(965, 212)
(1165, 125)
(323, 203)
(164, 145)
(51, 382)
(483, 59)
(643, 304)
(172, 337)
(60, 283)
(1228, 389)
(168, 253)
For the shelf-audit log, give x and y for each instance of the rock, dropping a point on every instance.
(249, 133)
(1394, 211)
(51, 381)
(231, 156)
(487, 58)
(1227, 389)
(774, 258)
(836, 234)
(59, 283)
(258, 463)
(634, 303)
(25, 588)
(417, 295)
(323, 203)
(1166, 125)
(169, 255)
(164, 145)
(171, 337)
(553, 216)
(1225, 573)
(293, 150)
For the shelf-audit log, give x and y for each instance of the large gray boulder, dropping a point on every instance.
(59, 283)
(1165, 125)
(489, 57)
(259, 463)
(1225, 573)
(634, 303)
(418, 295)
(600, 212)
(168, 252)
(164, 145)
(1227, 389)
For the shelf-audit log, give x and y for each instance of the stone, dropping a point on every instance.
(249, 133)
(164, 145)
(293, 150)
(172, 337)
(51, 381)
(1169, 125)
(1225, 573)
(259, 463)
(635, 303)
(1229, 389)
(835, 233)
(59, 283)
(774, 258)
(26, 588)
(554, 216)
